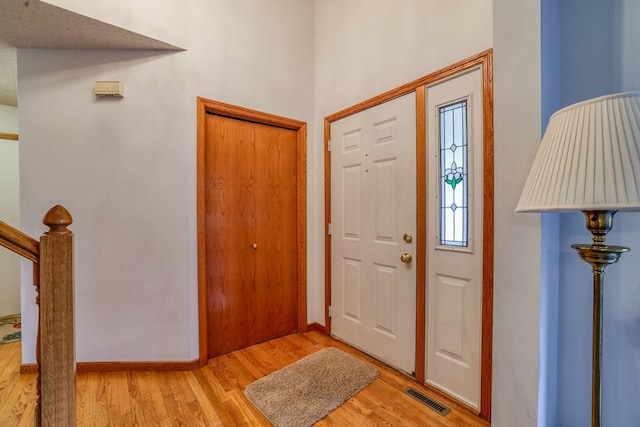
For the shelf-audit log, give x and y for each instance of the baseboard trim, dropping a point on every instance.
(315, 326)
(28, 368)
(85, 367)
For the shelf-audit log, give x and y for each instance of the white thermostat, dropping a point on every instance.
(111, 89)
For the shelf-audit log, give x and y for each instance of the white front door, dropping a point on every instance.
(373, 207)
(454, 236)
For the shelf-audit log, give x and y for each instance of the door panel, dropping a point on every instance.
(385, 299)
(251, 228)
(454, 260)
(352, 289)
(372, 207)
(230, 214)
(276, 231)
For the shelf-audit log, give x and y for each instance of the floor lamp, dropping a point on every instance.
(589, 160)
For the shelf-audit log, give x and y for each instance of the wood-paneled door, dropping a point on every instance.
(251, 203)
(455, 244)
(424, 262)
(373, 204)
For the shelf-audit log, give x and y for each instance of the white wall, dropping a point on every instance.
(8, 119)
(516, 42)
(364, 48)
(9, 211)
(125, 169)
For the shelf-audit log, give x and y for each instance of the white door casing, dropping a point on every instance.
(454, 273)
(373, 205)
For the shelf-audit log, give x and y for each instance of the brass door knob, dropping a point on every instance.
(406, 258)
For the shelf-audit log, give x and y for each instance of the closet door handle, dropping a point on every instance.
(254, 246)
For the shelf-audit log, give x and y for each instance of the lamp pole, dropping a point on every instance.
(599, 256)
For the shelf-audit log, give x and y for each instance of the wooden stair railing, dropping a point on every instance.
(52, 259)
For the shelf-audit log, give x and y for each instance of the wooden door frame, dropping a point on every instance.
(484, 61)
(11, 136)
(205, 106)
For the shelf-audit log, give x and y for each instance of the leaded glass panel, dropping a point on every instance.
(454, 195)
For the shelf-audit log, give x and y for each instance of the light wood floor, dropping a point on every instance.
(213, 395)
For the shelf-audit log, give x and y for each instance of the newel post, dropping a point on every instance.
(57, 334)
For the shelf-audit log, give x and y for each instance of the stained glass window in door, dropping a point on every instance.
(454, 195)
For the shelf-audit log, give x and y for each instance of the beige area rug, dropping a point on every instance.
(307, 390)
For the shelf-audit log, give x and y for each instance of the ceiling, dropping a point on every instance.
(8, 75)
(33, 24)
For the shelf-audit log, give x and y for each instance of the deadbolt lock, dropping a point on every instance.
(408, 237)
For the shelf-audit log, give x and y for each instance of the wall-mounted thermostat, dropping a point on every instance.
(111, 89)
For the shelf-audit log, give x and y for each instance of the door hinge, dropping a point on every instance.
(329, 145)
(330, 313)
(329, 229)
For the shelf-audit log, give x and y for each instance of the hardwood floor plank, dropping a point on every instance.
(248, 414)
(105, 391)
(82, 408)
(217, 395)
(9, 376)
(174, 411)
(249, 363)
(209, 414)
(136, 399)
(243, 376)
(19, 403)
(153, 412)
(190, 407)
(214, 395)
(7, 386)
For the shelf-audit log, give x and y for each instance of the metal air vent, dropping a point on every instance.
(427, 401)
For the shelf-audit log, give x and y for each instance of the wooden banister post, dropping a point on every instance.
(57, 335)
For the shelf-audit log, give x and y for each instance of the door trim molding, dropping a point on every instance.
(205, 106)
(11, 136)
(484, 60)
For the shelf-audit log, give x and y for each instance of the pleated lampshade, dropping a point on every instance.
(589, 158)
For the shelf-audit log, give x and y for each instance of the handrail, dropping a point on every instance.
(28, 247)
(52, 259)
(19, 242)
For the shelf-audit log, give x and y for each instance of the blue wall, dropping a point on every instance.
(550, 224)
(589, 49)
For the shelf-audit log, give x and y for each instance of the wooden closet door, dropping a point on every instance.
(276, 230)
(251, 233)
